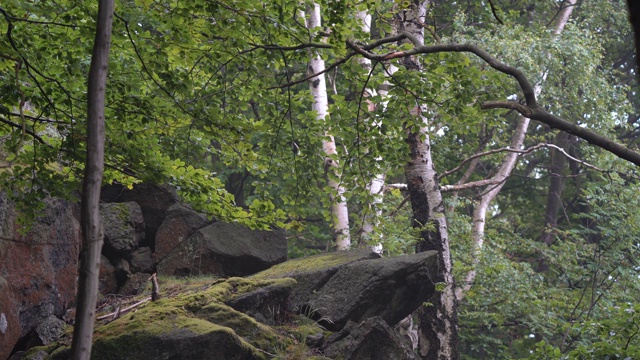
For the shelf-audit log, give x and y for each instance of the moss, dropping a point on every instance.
(49, 349)
(312, 263)
(200, 309)
(255, 333)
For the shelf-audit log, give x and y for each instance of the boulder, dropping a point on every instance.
(123, 228)
(135, 284)
(226, 250)
(50, 330)
(154, 200)
(108, 282)
(179, 224)
(182, 338)
(372, 339)
(311, 273)
(336, 288)
(267, 304)
(38, 268)
(194, 325)
(142, 261)
(122, 269)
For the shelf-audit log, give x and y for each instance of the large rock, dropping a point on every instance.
(154, 200)
(37, 269)
(226, 250)
(195, 325)
(267, 304)
(180, 223)
(313, 272)
(334, 292)
(373, 339)
(108, 282)
(123, 228)
(142, 261)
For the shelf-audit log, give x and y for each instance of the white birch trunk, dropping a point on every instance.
(437, 332)
(376, 185)
(508, 164)
(318, 87)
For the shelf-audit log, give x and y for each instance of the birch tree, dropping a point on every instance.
(318, 87)
(496, 183)
(437, 330)
(376, 185)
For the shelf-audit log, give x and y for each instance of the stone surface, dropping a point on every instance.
(122, 270)
(180, 223)
(135, 284)
(313, 272)
(123, 228)
(142, 261)
(108, 282)
(226, 250)
(267, 305)
(391, 288)
(194, 325)
(177, 343)
(353, 285)
(154, 200)
(372, 339)
(37, 269)
(50, 330)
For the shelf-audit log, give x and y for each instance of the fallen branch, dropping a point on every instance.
(120, 312)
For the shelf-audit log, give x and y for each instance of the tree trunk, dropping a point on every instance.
(318, 86)
(437, 328)
(438, 333)
(90, 209)
(505, 170)
(556, 184)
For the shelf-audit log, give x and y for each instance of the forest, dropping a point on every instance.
(503, 134)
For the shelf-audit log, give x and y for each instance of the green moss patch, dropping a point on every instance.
(313, 263)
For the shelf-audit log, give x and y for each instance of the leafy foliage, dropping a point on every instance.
(210, 98)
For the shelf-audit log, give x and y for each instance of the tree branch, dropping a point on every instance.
(531, 110)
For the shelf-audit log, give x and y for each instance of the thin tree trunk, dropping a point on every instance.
(318, 86)
(90, 209)
(505, 170)
(556, 185)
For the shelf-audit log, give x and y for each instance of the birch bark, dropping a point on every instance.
(437, 331)
(318, 87)
(376, 185)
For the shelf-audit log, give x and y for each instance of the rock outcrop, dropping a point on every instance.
(226, 250)
(123, 228)
(372, 339)
(353, 287)
(38, 269)
(180, 223)
(154, 201)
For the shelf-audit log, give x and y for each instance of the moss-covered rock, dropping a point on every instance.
(192, 325)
